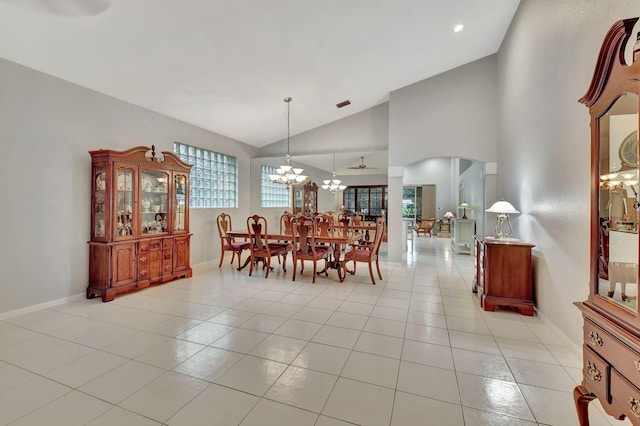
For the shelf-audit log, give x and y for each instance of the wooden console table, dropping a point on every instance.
(503, 273)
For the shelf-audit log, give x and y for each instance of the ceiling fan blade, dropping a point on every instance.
(360, 166)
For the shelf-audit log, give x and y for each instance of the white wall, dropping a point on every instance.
(544, 65)
(47, 127)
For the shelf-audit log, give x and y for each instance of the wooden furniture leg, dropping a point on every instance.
(582, 400)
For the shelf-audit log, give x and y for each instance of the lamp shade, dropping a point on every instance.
(449, 215)
(503, 207)
(464, 206)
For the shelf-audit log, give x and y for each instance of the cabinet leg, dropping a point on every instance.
(582, 399)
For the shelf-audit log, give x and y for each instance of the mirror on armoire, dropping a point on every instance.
(618, 202)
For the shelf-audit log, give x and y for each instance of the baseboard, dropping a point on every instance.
(551, 325)
(40, 306)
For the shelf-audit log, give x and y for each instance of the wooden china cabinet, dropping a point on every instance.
(611, 347)
(139, 220)
(305, 199)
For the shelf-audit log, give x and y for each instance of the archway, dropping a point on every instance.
(456, 180)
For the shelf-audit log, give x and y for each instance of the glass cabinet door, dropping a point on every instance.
(124, 197)
(297, 200)
(99, 202)
(154, 202)
(311, 203)
(180, 190)
(618, 203)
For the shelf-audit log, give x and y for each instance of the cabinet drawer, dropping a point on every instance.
(144, 246)
(148, 245)
(167, 262)
(626, 397)
(620, 356)
(168, 243)
(143, 264)
(143, 274)
(595, 371)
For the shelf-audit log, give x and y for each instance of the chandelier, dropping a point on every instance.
(333, 185)
(288, 175)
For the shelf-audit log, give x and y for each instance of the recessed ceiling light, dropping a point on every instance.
(458, 28)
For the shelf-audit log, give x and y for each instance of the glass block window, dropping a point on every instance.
(272, 194)
(214, 177)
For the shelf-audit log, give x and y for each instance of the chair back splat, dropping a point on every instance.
(345, 223)
(324, 223)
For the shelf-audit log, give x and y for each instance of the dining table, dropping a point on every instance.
(336, 238)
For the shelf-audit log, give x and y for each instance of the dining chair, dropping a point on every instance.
(345, 223)
(228, 243)
(366, 253)
(305, 247)
(285, 229)
(260, 248)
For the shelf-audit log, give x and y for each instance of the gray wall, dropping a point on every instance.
(545, 64)
(518, 109)
(438, 172)
(47, 127)
(453, 114)
(365, 131)
(326, 200)
(445, 174)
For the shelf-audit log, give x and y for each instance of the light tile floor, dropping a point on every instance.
(224, 348)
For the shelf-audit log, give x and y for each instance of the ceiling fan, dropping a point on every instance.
(361, 166)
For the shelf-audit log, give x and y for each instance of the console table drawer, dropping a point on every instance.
(618, 355)
(626, 397)
(595, 371)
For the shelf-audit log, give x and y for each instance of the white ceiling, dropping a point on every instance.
(226, 65)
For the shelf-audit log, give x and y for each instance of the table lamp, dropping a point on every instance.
(449, 216)
(464, 207)
(503, 208)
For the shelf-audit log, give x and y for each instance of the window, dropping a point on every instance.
(272, 194)
(368, 200)
(213, 181)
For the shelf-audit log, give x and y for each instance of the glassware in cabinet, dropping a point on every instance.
(99, 202)
(124, 196)
(180, 191)
(154, 204)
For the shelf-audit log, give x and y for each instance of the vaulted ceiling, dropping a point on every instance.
(227, 65)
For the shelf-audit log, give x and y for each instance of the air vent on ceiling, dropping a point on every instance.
(343, 103)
